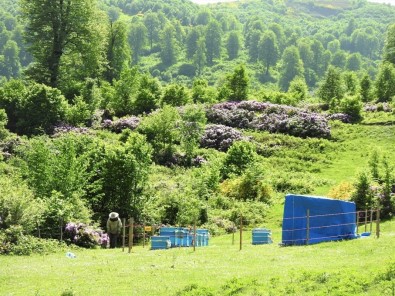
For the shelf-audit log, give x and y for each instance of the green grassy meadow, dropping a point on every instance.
(363, 266)
(357, 267)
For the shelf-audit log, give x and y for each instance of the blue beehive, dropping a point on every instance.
(160, 242)
(204, 236)
(170, 232)
(261, 236)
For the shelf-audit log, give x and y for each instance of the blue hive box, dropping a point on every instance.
(160, 242)
(205, 236)
(261, 236)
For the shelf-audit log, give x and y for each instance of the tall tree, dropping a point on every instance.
(152, 24)
(233, 45)
(137, 40)
(389, 48)
(192, 42)
(118, 51)
(385, 86)
(11, 59)
(168, 47)
(268, 50)
(237, 83)
(56, 28)
(365, 88)
(292, 66)
(213, 41)
(199, 58)
(332, 86)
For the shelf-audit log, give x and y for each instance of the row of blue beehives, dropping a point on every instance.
(179, 237)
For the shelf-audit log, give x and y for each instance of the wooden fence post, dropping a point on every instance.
(241, 232)
(357, 221)
(308, 227)
(131, 222)
(38, 229)
(233, 233)
(366, 219)
(194, 236)
(143, 235)
(123, 234)
(378, 223)
(371, 220)
(61, 228)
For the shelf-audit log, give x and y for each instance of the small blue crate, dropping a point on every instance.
(160, 242)
(261, 236)
(205, 236)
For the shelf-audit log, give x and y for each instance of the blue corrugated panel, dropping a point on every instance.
(205, 236)
(329, 220)
(160, 242)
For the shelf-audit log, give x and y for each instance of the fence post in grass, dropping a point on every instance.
(378, 223)
(61, 228)
(123, 234)
(371, 220)
(194, 236)
(366, 219)
(38, 229)
(241, 232)
(233, 233)
(357, 221)
(307, 226)
(131, 222)
(144, 235)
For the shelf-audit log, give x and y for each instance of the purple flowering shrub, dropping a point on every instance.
(270, 117)
(345, 118)
(65, 128)
(384, 107)
(85, 236)
(219, 137)
(119, 125)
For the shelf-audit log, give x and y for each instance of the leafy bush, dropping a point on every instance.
(119, 125)
(85, 236)
(270, 117)
(239, 156)
(14, 242)
(219, 137)
(343, 191)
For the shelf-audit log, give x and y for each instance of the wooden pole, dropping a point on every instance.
(123, 234)
(366, 219)
(371, 220)
(38, 229)
(194, 236)
(241, 232)
(143, 235)
(131, 222)
(61, 228)
(357, 221)
(308, 227)
(233, 233)
(378, 223)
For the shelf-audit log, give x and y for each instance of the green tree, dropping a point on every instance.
(351, 82)
(339, 59)
(213, 41)
(137, 40)
(148, 95)
(268, 50)
(365, 88)
(237, 84)
(292, 66)
(363, 195)
(161, 131)
(200, 58)
(11, 59)
(192, 42)
(298, 89)
(193, 120)
(239, 157)
(152, 24)
(354, 62)
(233, 45)
(118, 50)
(384, 84)
(56, 28)
(125, 89)
(389, 48)
(201, 92)
(169, 49)
(253, 45)
(41, 110)
(175, 95)
(332, 86)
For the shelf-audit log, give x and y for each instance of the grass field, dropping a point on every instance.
(357, 267)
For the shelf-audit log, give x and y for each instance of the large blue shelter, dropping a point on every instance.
(312, 219)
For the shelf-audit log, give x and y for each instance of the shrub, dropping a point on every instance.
(342, 191)
(84, 235)
(14, 242)
(239, 156)
(219, 137)
(119, 125)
